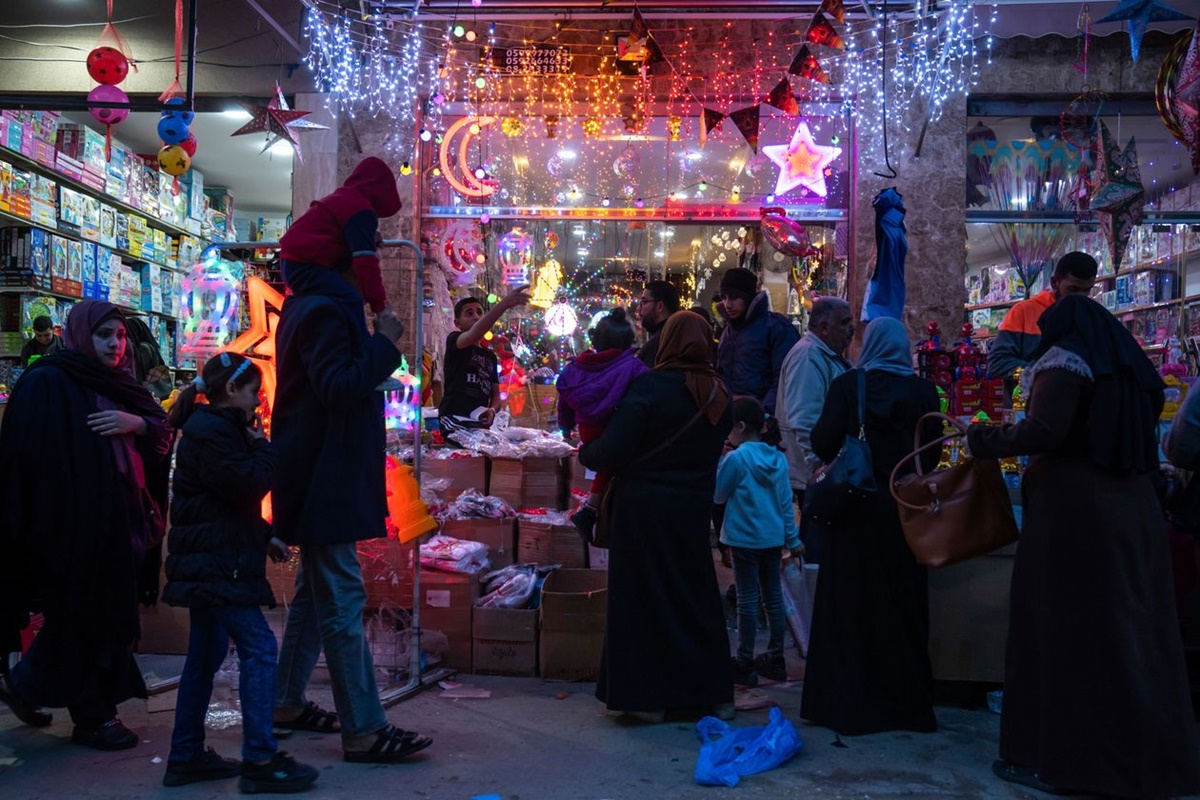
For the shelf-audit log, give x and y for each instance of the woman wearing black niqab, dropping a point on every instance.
(1096, 696)
(82, 452)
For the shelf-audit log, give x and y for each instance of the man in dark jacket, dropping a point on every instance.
(329, 436)
(44, 342)
(659, 301)
(755, 342)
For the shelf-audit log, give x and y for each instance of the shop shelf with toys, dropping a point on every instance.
(960, 374)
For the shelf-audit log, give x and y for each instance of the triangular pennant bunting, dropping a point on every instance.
(835, 9)
(709, 121)
(805, 65)
(821, 31)
(782, 98)
(639, 45)
(746, 120)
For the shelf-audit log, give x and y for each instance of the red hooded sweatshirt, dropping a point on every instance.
(338, 231)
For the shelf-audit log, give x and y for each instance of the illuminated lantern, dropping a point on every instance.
(592, 126)
(107, 66)
(511, 126)
(461, 251)
(673, 125)
(174, 160)
(209, 307)
(105, 93)
(561, 320)
(401, 399)
(515, 250)
(546, 286)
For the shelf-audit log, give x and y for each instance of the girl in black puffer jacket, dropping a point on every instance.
(216, 567)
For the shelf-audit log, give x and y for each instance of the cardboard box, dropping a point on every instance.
(462, 474)
(529, 482)
(500, 535)
(571, 623)
(447, 600)
(544, 543)
(504, 641)
(968, 618)
(387, 572)
(164, 629)
(579, 477)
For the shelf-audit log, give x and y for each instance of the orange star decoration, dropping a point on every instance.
(258, 344)
(801, 162)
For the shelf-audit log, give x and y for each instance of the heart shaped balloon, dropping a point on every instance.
(785, 235)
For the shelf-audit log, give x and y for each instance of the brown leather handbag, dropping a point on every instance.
(954, 514)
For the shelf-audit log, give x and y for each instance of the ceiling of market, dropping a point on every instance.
(245, 46)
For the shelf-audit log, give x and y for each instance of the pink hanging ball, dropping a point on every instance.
(108, 94)
(107, 65)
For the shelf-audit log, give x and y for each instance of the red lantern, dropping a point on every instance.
(107, 65)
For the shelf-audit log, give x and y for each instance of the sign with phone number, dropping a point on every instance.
(536, 60)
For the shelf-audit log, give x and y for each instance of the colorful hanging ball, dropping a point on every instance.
(105, 93)
(183, 114)
(173, 130)
(174, 160)
(189, 145)
(107, 65)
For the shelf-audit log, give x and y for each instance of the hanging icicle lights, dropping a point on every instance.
(365, 65)
(933, 55)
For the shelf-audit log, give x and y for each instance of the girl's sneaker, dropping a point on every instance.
(281, 775)
(743, 673)
(771, 667)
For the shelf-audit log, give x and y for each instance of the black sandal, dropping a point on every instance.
(25, 711)
(391, 745)
(312, 718)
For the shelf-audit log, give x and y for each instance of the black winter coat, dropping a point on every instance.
(218, 539)
(750, 355)
(327, 423)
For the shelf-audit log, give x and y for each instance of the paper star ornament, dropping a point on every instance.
(1139, 13)
(1119, 198)
(1186, 98)
(278, 121)
(801, 162)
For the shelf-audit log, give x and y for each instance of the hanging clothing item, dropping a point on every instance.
(886, 292)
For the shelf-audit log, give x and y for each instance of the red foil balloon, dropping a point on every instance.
(189, 145)
(107, 65)
(785, 235)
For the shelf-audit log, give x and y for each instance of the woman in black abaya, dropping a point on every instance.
(82, 448)
(1095, 689)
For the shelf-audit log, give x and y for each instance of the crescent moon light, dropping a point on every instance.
(469, 185)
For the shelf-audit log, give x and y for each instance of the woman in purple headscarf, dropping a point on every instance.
(82, 456)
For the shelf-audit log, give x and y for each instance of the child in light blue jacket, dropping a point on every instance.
(752, 480)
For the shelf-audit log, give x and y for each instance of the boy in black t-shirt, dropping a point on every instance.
(471, 398)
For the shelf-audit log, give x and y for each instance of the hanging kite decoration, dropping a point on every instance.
(1119, 198)
(638, 45)
(709, 121)
(278, 121)
(746, 120)
(781, 97)
(805, 65)
(1139, 13)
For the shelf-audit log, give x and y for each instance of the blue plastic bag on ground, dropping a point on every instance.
(728, 754)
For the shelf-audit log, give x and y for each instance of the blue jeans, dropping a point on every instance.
(208, 645)
(327, 611)
(755, 571)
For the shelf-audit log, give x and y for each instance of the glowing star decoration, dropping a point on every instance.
(801, 162)
(1138, 13)
(561, 320)
(209, 306)
(258, 341)
(463, 179)
(278, 121)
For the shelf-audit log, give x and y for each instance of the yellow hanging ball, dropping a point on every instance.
(174, 160)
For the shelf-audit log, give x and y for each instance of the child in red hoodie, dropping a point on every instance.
(589, 389)
(339, 230)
